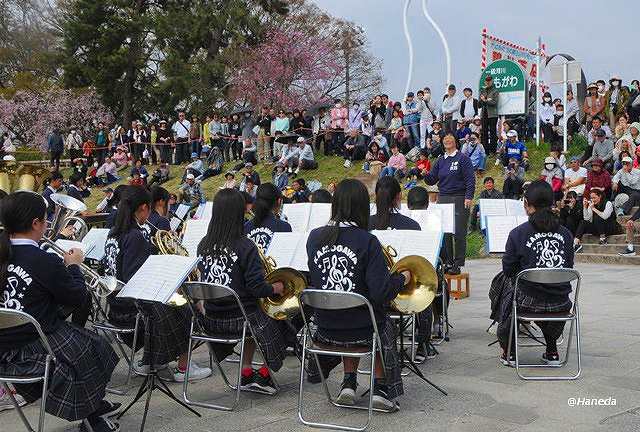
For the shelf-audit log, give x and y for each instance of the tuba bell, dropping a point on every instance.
(287, 305)
(419, 293)
(30, 177)
(67, 213)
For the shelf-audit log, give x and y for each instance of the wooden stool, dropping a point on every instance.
(459, 292)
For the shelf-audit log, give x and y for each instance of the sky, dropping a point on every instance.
(600, 35)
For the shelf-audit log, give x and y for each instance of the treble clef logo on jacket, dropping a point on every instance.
(337, 269)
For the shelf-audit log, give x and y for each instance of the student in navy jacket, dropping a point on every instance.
(229, 258)
(77, 188)
(159, 209)
(39, 283)
(540, 242)
(455, 176)
(344, 256)
(266, 222)
(55, 183)
(127, 248)
(388, 200)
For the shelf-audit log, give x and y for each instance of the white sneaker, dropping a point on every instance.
(6, 404)
(142, 369)
(195, 373)
(296, 171)
(347, 163)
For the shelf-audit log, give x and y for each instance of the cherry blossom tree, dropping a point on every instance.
(288, 69)
(31, 116)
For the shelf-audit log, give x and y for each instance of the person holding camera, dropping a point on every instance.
(598, 219)
(513, 180)
(571, 212)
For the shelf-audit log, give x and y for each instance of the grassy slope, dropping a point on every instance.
(331, 170)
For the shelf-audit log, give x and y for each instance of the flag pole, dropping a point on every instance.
(538, 61)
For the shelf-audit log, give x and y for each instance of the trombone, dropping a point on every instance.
(422, 288)
(101, 286)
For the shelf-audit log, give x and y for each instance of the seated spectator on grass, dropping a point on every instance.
(382, 142)
(249, 187)
(513, 148)
(216, 165)
(513, 180)
(599, 219)
(141, 170)
(136, 180)
(474, 150)
(575, 177)
(627, 181)
(229, 181)
(196, 167)
(462, 132)
(418, 198)
(321, 196)
(603, 150)
(290, 153)
(557, 153)
(280, 178)
(190, 193)
(422, 168)
(489, 192)
(476, 125)
(598, 178)
(77, 188)
(397, 164)
(249, 172)
(571, 212)
(161, 174)
(553, 175)
(355, 148)
(300, 191)
(108, 171)
(120, 158)
(305, 159)
(624, 149)
(375, 159)
(249, 151)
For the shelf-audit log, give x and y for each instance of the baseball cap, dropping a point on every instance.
(549, 160)
(596, 161)
(410, 94)
(248, 164)
(194, 155)
(574, 158)
(300, 139)
(512, 133)
(627, 159)
(601, 133)
(190, 176)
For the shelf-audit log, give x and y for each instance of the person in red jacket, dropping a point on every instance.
(598, 178)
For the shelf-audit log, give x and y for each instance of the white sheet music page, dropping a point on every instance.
(289, 249)
(515, 208)
(297, 216)
(448, 216)
(67, 245)
(96, 237)
(182, 210)
(206, 213)
(491, 207)
(195, 231)
(319, 216)
(498, 229)
(408, 242)
(159, 278)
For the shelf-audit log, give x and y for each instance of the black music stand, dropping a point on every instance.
(152, 381)
(406, 362)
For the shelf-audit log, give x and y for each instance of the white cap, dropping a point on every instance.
(512, 133)
(627, 159)
(190, 176)
(300, 139)
(549, 160)
(9, 158)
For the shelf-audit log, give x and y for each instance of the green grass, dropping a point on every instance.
(331, 170)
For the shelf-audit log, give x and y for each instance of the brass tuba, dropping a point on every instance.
(30, 177)
(419, 293)
(287, 305)
(67, 213)
(7, 176)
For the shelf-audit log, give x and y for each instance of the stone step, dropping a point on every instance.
(606, 259)
(614, 239)
(607, 249)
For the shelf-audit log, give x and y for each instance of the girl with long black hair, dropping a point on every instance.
(39, 283)
(344, 256)
(229, 258)
(128, 247)
(265, 222)
(388, 199)
(159, 209)
(540, 242)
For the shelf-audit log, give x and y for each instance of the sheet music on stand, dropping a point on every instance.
(498, 229)
(289, 249)
(448, 216)
(180, 214)
(67, 245)
(429, 219)
(304, 217)
(159, 278)
(204, 211)
(499, 207)
(97, 237)
(194, 232)
(408, 242)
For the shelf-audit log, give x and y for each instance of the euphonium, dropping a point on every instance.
(101, 286)
(287, 305)
(168, 243)
(418, 294)
(66, 213)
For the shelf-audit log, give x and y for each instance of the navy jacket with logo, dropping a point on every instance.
(263, 234)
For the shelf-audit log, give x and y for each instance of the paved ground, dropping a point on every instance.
(483, 396)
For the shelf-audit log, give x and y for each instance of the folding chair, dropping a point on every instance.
(336, 300)
(195, 291)
(116, 333)
(548, 276)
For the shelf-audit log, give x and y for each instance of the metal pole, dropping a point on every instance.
(407, 36)
(443, 39)
(565, 78)
(538, 91)
(347, 77)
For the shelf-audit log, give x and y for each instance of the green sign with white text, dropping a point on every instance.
(509, 80)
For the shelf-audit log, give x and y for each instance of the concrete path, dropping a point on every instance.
(483, 395)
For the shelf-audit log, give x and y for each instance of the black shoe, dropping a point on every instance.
(347, 394)
(381, 399)
(577, 247)
(602, 241)
(551, 358)
(101, 424)
(431, 351)
(257, 382)
(421, 354)
(454, 270)
(108, 409)
(629, 251)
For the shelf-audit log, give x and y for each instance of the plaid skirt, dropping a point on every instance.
(77, 381)
(168, 335)
(392, 370)
(270, 335)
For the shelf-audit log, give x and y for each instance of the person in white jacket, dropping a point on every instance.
(427, 113)
(450, 110)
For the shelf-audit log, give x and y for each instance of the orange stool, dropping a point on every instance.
(461, 291)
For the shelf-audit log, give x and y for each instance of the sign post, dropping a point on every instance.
(538, 56)
(509, 80)
(566, 73)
